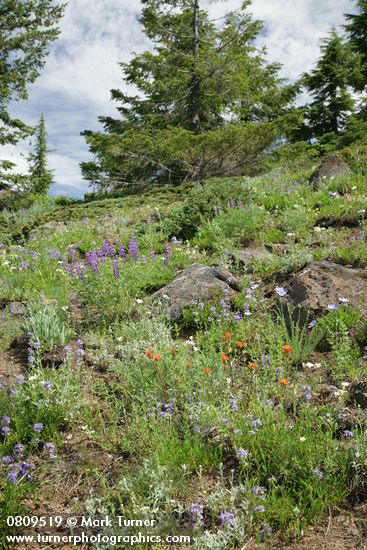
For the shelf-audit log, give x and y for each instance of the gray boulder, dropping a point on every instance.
(196, 282)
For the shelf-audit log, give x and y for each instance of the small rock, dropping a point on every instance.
(358, 392)
(17, 308)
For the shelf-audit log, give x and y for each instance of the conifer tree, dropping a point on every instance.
(40, 176)
(330, 86)
(357, 33)
(204, 85)
(26, 29)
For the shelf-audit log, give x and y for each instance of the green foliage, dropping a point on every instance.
(40, 177)
(27, 28)
(208, 102)
(330, 87)
(48, 325)
(357, 34)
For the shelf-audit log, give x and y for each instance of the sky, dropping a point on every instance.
(82, 67)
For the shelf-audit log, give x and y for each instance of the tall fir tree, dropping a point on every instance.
(40, 176)
(27, 27)
(330, 87)
(357, 33)
(200, 79)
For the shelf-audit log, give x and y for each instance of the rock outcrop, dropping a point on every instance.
(321, 284)
(196, 282)
(330, 167)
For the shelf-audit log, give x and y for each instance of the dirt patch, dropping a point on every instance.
(10, 366)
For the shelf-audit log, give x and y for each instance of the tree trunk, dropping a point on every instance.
(195, 82)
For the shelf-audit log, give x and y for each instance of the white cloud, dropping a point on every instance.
(74, 88)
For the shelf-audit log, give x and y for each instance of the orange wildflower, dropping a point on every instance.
(224, 358)
(149, 353)
(227, 336)
(252, 366)
(207, 371)
(156, 357)
(287, 348)
(284, 382)
(240, 344)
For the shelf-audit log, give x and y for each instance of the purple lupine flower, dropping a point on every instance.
(312, 323)
(7, 459)
(25, 265)
(47, 385)
(317, 474)
(259, 492)
(78, 457)
(50, 449)
(115, 268)
(256, 424)
(242, 453)
(38, 427)
(5, 421)
(19, 451)
(5, 430)
(122, 252)
(280, 291)
(133, 248)
(237, 316)
(231, 203)
(225, 517)
(233, 402)
(19, 379)
(347, 433)
(264, 530)
(307, 392)
(13, 475)
(196, 515)
(332, 306)
(68, 268)
(36, 344)
(25, 467)
(259, 508)
(53, 254)
(93, 260)
(167, 254)
(174, 240)
(108, 249)
(72, 253)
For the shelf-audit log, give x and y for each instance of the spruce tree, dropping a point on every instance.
(204, 85)
(40, 176)
(330, 86)
(26, 29)
(357, 33)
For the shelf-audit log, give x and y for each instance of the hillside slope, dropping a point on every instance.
(226, 403)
